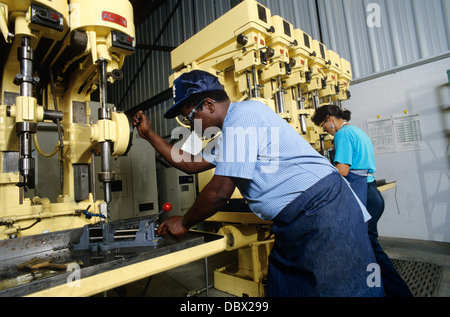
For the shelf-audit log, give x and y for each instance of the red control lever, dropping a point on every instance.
(166, 208)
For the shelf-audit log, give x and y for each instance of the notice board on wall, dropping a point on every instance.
(400, 132)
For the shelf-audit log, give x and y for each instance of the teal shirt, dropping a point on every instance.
(354, 147)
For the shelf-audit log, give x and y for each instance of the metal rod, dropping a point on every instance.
(279, 97)
(316, 101)
(25, 129)
(256, 89)
(104, 114)
(106, 167)
(103, 91)
(105, 149)
(93, 177)
(60, 133)
(300, 106)
(249, 85)
(25, 56)
(126, 230)
(125, 237)
(322, 144)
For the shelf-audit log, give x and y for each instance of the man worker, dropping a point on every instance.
(321, 244)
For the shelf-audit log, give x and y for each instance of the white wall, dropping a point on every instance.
(419, 206)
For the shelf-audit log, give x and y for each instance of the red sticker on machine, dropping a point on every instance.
(115, 18)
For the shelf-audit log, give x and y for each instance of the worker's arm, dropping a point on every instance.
(343, 169)
(214, 196)
(182, 160)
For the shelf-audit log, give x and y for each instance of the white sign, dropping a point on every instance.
(408, 132)
(381, 132)
(402, 132)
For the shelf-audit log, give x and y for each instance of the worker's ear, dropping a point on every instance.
(210, 104)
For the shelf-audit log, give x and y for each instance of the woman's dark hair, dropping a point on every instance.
(330, 110)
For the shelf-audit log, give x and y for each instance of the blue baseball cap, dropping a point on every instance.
(188, 84)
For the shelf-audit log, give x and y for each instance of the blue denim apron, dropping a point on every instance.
(321, 245)
(359, 185)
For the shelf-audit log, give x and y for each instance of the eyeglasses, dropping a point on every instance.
(323, 122)
(190, 117)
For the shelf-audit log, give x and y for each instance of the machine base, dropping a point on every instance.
(247, 277)
(226, 280)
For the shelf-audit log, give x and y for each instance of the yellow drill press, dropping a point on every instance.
(56, 54)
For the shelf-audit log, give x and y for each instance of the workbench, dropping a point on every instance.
(89, 273)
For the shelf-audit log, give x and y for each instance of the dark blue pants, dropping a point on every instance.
(394, 285)
(321, 245)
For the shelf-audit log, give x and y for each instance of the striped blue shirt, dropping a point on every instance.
(268, 160)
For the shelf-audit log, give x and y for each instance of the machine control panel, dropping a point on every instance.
(122, 40)
(47, 17)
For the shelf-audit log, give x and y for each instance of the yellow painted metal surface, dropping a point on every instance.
(90, 31)
(248, 276)
(386, 187)
(237, 217)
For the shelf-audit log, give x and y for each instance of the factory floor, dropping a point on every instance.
(424, 265)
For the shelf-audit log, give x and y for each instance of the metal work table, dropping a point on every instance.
(94, 272)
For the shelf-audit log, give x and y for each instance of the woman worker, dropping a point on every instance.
(354, 159)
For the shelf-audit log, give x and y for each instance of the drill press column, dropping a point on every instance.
(25, 129)
(106, 175)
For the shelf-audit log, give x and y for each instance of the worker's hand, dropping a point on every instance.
(142, 124)
(173, 226)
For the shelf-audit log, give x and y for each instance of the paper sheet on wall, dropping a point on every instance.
(381, 132)
(408, 132)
